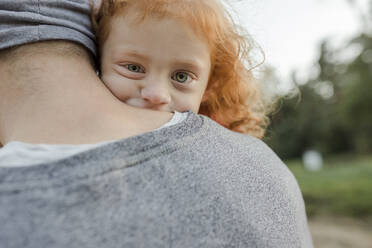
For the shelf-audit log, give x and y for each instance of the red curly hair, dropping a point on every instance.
(232, 97)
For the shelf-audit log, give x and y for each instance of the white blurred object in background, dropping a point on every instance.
(312, 160)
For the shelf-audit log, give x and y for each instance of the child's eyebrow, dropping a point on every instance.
(189, 64)
(136, 54)
(192, 64)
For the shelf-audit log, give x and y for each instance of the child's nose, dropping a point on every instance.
(156, 94)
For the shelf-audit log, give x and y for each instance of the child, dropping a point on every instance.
(178, 55)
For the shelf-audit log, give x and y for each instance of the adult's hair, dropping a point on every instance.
(57, 47)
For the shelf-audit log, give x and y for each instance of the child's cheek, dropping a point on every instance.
(188, 103)
(119, 87)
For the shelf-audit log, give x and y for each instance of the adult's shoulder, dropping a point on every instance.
(263, 185)
(248, 155)
(252, 150)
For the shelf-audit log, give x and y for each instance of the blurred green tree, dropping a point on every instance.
(356, 107)
(333, 111)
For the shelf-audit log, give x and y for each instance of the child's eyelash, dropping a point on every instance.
(133, 67)
(189, 75)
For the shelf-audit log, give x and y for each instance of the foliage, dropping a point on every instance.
(343, 187)
(333, 112)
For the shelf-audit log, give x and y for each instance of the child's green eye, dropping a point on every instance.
(134, 68)
(181, 77)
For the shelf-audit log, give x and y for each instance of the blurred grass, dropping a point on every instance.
(342, 187)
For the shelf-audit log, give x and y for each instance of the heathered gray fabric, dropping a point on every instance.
(26, 21)
(194, 184)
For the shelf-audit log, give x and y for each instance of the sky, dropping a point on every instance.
(290, 31)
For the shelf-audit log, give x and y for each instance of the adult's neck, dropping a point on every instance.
(52, 99)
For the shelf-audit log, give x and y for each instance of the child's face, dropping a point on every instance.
(157, 64)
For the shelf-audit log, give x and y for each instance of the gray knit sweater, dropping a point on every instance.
(195, 184)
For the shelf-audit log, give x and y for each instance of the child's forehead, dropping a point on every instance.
(199, 15)
(137, 22)
(176, 35)
(154, 26)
